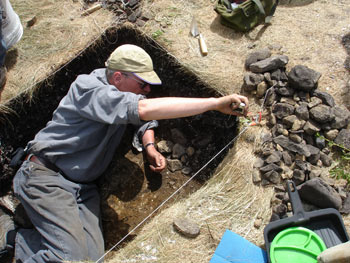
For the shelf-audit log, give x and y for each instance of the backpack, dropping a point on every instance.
(246, 15)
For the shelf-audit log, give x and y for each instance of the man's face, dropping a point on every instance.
(133, 84)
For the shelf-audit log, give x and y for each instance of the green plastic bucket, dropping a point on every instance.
(296, 245)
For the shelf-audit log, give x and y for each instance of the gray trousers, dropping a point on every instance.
(65, 215)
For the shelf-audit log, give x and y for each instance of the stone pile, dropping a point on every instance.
(125, 10)
(301, 119)
(180, 152)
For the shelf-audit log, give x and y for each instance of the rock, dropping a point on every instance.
(186, 170)
(274, 157)
(256, 176)
(346, 206)
(298, 176)
(343, 138)
(287, 158)
(289, 120)
(273, 176)
(257, 56)
(178, 151)
(342, 117)
(304, 96)
(203, 142)
(165, 146)
(311, 127)
(178, 136)
(326, 160)
(251, 81)
(317, 192)
(325, 97)
(280, 209)
(258, 223)
(314, 102)
(259, 162)
(331, 134)
(315, 154)
(271, 96)
(288, 100)
(298, 125)
(282, 110)
(295, 138)
(300, 157)
(303, 78)
(292, 146)
(174, 165)
(134, 15)
(190, 151)
(284, 90)
(274, 217)
(320, 142)
(302, 111)
(186, 227)
(315, 173)
(271, 167)
(261, 89)
(322, 113)
(269, 64)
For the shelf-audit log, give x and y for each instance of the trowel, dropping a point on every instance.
(195, 33)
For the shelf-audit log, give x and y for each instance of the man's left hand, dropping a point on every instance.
(156, 159)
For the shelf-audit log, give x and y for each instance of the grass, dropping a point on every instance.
(341, 156)
(59, 34)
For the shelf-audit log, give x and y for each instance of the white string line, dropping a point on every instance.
(166, 200)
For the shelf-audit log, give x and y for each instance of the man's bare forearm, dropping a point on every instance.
(177, 107)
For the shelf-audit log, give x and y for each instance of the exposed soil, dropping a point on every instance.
(130, 191)
(312, 34)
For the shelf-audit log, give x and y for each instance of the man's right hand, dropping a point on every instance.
(228, 104)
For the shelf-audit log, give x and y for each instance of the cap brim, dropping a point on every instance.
(150, 77)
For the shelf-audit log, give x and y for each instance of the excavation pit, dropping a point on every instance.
(129, 190)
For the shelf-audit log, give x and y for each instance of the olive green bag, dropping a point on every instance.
(246, 15)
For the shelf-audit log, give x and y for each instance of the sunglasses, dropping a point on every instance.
(142, 84)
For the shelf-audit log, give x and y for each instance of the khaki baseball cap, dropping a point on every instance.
(131, 58)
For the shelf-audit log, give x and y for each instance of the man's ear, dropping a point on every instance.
(116, 78)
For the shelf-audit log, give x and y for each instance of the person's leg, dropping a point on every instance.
(51, 203)
(3, 49)
(2, 42)
(89, 210)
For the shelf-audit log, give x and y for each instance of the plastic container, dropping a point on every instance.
(296, 244)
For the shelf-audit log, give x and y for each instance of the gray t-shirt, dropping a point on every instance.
(87, 126)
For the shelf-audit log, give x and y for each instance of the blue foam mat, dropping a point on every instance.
(234, 248)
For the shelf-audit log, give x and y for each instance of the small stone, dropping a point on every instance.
(314, 102)
(259, 162)
(165, 146)
(186, 227)
(174, 165)
(261, 89)
(190, 151)
(257, 223)
(331, 134)
(256, 177)
(178, 151)
(186, 170)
